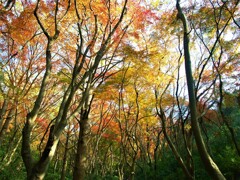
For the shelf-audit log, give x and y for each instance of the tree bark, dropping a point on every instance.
(64, 163)
(80, 159)
(12, 152)
(39, 169)
(6, 124)
(208, 162)
(189, 162)
(3, 111)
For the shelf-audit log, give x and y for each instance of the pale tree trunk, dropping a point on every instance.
(161, 114)
(3, 111)
(56, 162)
(64, 163)
(11, 149)
(34, 172)
(132, 168)
(208, 162)
(188, 143)
(12, 152)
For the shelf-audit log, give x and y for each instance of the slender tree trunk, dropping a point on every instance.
(132, 168)
(3, 111)
(11, 144)
(209, 164)
(172, 146)
(226, 122)
(26, 149)
(157, 144)
(189, 161)
(64, 163)
(12, 152)
(6, 124)
(55, 164)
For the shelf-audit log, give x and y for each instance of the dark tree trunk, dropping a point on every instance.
(6, 124)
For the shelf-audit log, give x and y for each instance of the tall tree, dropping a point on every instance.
(209, 164)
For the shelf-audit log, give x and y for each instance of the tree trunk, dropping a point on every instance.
(172, 146)
(10, 145)
(12, 152)
(64, 163)
(3, 111)
(157, 144)
(189, 161)
(26, 149)
(80, 159)
(132, 168)
(6, 124)
(38, 171)
(55, 164)
(225, 120)
(209, 164)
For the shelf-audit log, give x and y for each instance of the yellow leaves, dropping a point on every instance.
(155, 3)
(106, 11)
(187, 127)
(63, 76)
(18, 6)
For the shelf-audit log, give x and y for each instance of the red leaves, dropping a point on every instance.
(42, 122)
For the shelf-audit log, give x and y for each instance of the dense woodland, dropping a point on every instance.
(119, 89)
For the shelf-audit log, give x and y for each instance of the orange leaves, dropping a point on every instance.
(207, 76)
(23, 27)
(141, 15)
(110, 131)
(103, 120)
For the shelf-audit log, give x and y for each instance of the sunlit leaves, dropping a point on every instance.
(137, 74)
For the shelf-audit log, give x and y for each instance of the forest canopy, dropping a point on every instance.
(119, 89)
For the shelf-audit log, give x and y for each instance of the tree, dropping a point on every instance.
(210, 166)
(97, 89)
(92, 45)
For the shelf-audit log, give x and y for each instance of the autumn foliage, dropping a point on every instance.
(96, 89)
